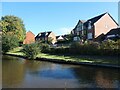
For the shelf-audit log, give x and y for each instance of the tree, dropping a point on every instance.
(9, 42)
(14, 26)
(31, 50)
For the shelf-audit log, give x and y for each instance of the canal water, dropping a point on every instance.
(21, 73)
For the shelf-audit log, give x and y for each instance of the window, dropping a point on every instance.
(82, 26)
(77, 33)
(46, 34)
(39, 34)
(89, 35)
(89, 25)
(76, 39)
(78, 29)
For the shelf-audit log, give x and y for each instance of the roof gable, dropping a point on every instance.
(80, 21)
(113, 19)
(93, 20)
(30, 33)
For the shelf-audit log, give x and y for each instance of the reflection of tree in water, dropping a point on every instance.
(84, 74)
(107, 79)
(99, 77)
(33, 66)
(12, 71)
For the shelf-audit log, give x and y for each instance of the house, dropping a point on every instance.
(59, 38)
(45, 36)
(78, 27)
(113, 34)
(30, 38)
(94, 27)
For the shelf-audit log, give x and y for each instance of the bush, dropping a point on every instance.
(109, 44)
(88, 48)
(84, 49)
(75, 48)
(45, 48)
(9, 42)
(31, 50)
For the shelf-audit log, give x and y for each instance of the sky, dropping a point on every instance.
(59, 17)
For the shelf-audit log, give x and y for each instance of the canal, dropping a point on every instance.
(21, 73)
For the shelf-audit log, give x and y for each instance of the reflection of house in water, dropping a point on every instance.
(103, 81)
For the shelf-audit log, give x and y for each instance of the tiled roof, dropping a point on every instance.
(43, 34)
(83, 21)
(93, 20)
(30, 32)
(114, 31)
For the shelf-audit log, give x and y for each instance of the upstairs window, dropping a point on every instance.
(89, 35)
(39, 34)
(82, 27)
(89, 25)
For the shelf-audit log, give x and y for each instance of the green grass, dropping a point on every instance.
(110, 60)
(91, 59)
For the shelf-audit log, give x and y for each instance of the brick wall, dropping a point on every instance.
(30, 38)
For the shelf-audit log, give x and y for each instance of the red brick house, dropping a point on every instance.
(30, 38)
(94, 27)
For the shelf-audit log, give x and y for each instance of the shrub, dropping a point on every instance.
(45, 48)
(87, 48)
(60, 50)
(109, 44)
(31, 50)
(9, 42)
(75, 48)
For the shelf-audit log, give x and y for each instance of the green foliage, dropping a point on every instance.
(90, 48)
(44, 47)
(14, 26)
(31, 50)
(49, 41)
(9, 42)
(109, 44)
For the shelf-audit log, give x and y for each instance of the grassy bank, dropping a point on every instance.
(105, 60)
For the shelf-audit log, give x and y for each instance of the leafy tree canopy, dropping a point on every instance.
(9, 42)
(14, 26)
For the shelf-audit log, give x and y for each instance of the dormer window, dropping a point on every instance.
(46, 34)
(39, 34)
(89, 25)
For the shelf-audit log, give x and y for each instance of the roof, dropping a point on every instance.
(83, 21)
(30, 32)
(57, 37)
(43, 34)
(95, 19)
(114, 31)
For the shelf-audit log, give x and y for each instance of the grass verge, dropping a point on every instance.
(105, 60)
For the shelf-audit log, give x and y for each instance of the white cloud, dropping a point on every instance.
(64, 30)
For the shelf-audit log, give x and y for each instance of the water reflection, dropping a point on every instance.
(98, 77)
(12, 71)
(20, 73)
